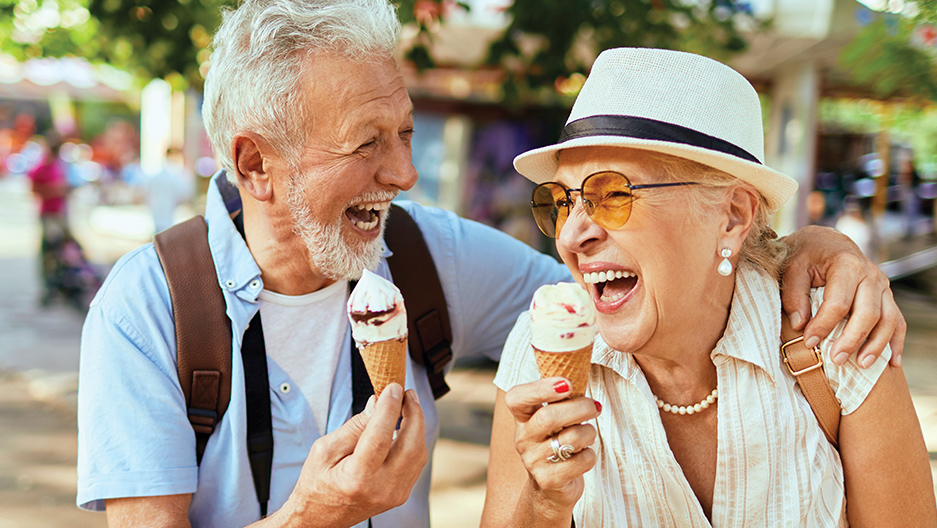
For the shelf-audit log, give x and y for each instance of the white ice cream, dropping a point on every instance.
(562, 318)
(376, 310)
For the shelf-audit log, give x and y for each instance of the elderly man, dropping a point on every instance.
(307, 111)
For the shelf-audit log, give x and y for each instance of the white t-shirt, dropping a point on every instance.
(295, 329)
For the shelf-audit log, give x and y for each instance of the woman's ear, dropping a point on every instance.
(741, 210)
(251, 154)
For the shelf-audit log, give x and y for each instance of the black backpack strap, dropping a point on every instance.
(414, 273)
(259, 422)
(203, 331)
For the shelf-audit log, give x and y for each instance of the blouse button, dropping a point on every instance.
(229, 283)
(255, 284)
(285, 388)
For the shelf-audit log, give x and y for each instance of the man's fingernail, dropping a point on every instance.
(898, 360)
(395, 390)
(369, 407)
(598, 406)
(416, 396)
(796, 319)
(561, 386)
(867, 361)
(812, 341)
(840, 358)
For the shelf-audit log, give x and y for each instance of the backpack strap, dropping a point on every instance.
(203, 332)
(806, 365)
(412, 268)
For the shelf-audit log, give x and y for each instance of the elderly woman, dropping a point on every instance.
(660, 207)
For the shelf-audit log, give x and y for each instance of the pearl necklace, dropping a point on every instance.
(689, 409)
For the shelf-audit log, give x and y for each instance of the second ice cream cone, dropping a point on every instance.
(386, 362)
(573, 366)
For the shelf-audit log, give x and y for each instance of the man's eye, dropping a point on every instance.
(407, 134)
(367, 144)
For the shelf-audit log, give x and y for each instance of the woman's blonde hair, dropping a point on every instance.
(761, 248)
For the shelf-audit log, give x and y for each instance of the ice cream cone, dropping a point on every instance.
(574, 366)
(386, 362)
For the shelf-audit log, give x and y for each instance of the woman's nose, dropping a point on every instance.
(579, 231)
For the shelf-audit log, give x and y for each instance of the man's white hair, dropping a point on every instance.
(259, 54)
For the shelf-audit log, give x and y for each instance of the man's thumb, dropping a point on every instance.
(342, 442)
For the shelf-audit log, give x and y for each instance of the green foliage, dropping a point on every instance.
(906, 123)
(169, 38)
(884, 57)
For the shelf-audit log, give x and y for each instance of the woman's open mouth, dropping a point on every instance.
(366, 216)
(610, 288)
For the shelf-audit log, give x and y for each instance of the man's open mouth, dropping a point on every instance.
(610, 286)
(366, 216)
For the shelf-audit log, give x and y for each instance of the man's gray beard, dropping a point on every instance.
(328, 251)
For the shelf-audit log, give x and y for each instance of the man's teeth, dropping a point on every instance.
(374, 209)
(603, 276)
(380, 206)
(367, 225)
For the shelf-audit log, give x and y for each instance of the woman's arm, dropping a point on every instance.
(523, 488)
(885, 461)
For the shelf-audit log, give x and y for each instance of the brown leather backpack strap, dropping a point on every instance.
(806, 364)
(415, 274)
(203, 331)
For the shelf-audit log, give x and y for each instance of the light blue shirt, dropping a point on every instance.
(134, 439)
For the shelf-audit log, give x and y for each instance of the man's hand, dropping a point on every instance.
(854, 286)
(360, 470)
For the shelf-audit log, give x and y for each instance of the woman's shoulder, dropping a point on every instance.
(849, 381)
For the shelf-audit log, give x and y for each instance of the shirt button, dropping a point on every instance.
(285, 388)
(255, 284)
(229, 283)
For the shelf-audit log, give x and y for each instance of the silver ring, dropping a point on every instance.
(561, 453)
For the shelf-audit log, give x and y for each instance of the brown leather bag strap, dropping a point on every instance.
(427, 315)
(806, 365)
(203, 331)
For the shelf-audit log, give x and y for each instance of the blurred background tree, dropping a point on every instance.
(547, 46)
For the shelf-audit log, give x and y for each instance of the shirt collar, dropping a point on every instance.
(753, 332)
(237, 270)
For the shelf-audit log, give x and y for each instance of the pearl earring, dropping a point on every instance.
(725, 267)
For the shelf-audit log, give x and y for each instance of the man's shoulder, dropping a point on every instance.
(134, 277)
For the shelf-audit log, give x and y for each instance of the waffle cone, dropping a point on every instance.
(386, 362)
(573, 366)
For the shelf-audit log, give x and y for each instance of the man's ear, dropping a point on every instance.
(740, 215)
(251, 154)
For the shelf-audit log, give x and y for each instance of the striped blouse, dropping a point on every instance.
(774, 465)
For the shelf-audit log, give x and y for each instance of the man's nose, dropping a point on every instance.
(398, 171)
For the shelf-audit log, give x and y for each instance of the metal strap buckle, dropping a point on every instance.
(816, 351)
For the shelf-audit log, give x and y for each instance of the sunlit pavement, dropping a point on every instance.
(38, 380)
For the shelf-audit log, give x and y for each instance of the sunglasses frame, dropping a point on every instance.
(588, 205)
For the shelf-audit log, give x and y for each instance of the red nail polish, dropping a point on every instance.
(560, 387)
(598, 406)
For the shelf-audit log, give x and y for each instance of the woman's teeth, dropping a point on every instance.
(603, 276)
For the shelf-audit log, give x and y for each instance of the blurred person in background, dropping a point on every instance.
(49, 185)
(308, 113)
(167, 188)
(852, 223)
(66, 274)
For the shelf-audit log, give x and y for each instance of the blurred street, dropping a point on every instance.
(38, 381)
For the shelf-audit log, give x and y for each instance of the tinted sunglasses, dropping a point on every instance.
(606, 196)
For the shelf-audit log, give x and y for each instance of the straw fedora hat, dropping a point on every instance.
(671, 102)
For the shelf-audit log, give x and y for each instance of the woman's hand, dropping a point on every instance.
(854, 286)
(556, 486)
